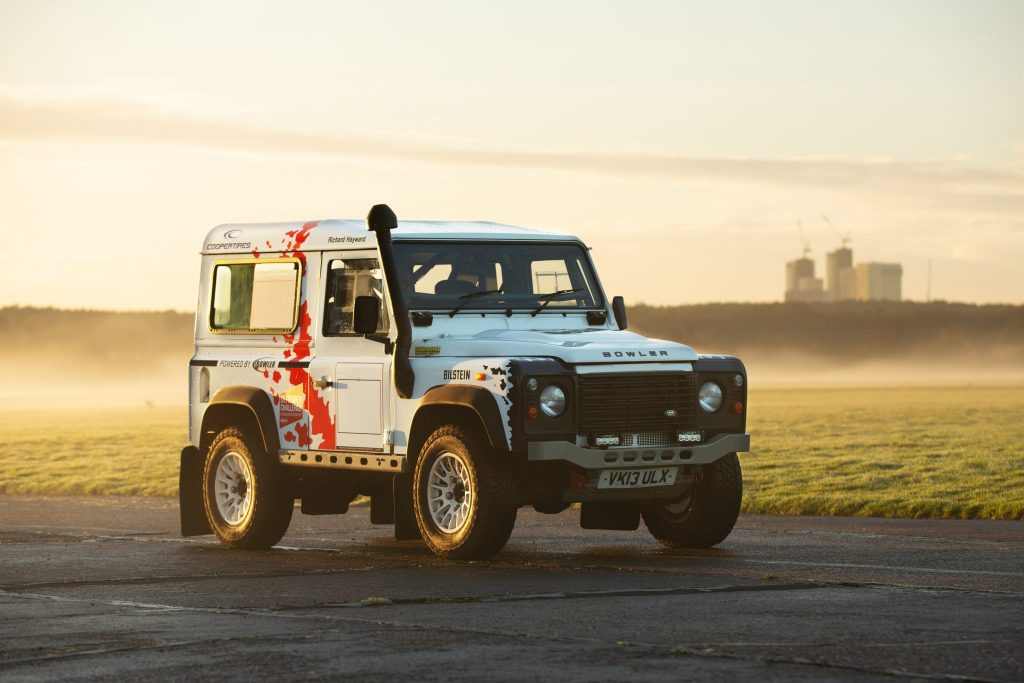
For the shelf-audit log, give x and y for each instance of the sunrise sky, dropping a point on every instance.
(681, 140)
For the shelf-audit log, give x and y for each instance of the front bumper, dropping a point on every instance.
(653, 456)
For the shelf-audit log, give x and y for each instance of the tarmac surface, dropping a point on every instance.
(104, 588)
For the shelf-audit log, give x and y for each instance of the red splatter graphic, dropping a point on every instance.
(301, 340)
(321, 421)
(302, 432)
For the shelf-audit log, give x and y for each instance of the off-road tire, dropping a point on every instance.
(711, 515)
(272, 500)
(492, 513)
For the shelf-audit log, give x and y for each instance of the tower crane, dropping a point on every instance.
(806, 243)
(844, 237)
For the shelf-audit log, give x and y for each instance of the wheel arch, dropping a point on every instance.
(242, 406)
(453, 403)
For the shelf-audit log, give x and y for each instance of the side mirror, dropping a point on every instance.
(619, 309)
(366, 315)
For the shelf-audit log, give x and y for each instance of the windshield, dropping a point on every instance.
(499, 275)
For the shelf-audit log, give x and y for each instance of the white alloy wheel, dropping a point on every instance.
(449, 492)
(233, 488)
(464, 494)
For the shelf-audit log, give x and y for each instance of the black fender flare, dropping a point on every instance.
(477, 399)
(257, 402)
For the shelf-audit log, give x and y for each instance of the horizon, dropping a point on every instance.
(682, 143)
(823, 304)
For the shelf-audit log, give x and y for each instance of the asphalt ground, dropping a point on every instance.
(104, 588)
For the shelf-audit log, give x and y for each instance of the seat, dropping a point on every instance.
(454, 288)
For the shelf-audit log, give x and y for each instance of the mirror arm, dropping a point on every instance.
(382, 339)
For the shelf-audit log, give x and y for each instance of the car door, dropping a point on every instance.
(354, 370)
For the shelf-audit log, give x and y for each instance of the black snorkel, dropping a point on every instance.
(382, 220)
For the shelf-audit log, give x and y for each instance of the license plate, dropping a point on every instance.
(635, 479)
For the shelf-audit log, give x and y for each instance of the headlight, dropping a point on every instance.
(710, 397)
(552, 400)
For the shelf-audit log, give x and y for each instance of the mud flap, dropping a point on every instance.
(620, 516)
(382, 508)
(190, 494)
(406, 528)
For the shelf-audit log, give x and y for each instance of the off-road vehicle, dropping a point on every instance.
(452, 372)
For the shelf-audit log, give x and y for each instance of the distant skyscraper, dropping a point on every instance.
(801, 285)
(847, 284)
(845, 281)
(796, 269)
(839, 288)
(879, 281)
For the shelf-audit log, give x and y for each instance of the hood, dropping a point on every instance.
(570, 346)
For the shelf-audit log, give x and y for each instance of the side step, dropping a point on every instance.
(342, 460)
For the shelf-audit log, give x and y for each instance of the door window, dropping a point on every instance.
(347, 279)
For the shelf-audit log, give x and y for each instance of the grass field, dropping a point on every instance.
(104, 452)
(953, 452)
(888, 452)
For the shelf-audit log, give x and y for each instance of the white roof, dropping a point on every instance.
(333, 234)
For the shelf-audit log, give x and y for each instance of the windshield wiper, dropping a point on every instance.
(548, 298)
(466, 298)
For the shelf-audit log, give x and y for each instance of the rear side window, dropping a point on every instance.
(255, 296)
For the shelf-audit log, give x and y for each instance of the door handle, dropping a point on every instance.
(322, 383)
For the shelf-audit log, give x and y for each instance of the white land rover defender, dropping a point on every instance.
(452, 372)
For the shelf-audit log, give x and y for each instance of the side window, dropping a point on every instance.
(255, 296)
(347, 279)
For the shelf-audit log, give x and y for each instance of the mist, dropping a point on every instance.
(100, 359)
(795, 370)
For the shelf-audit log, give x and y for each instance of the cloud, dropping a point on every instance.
(97, 118)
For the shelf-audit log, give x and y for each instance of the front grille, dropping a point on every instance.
(611, 404)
